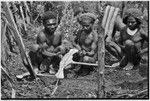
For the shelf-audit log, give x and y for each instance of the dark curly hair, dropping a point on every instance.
(137, 20)
(49, 15)
(137, 14)
(86, 16)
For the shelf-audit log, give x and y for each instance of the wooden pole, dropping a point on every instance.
(101, 56)
(19, 40)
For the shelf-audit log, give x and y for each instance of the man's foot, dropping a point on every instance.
(85, 71)
(129, 66)
(19, 77)
(115, 64)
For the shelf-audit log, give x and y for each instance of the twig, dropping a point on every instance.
(56, 86)
(132, 95)
(37, 17)
(139, 93)
(13, 94)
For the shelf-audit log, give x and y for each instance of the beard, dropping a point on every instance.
(88, 30)
(49, 30)
(132, 27)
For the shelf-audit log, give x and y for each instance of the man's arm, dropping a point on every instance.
(92, 52)
(94, 45)
(119, 23)
(145, 38)
(76, 41)
(41, 45)
(118, 26)
(41, 40)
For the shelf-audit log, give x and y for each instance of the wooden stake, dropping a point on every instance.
(101, 54)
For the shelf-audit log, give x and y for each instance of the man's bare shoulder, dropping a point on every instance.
(95, 35)
(142, 32)
(41, 37)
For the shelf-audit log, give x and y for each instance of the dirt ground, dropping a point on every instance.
(117, 83)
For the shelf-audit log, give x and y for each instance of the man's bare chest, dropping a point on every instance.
(52, 40)
(136, 38)
(86, 39)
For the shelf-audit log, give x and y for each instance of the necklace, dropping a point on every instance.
(131, 32)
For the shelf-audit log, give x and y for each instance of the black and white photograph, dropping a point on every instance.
(53, 50)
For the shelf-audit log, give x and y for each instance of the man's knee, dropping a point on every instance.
(36, 59)
(34, 47)
(88, 59)
(129, 43)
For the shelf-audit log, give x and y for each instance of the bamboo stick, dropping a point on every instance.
(19, 40)
(112, 9)
(23, 18)
(105, 16)
(111, 24)
(26, 12)
(90, 64)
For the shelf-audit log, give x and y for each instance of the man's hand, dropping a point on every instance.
(91, 53)
(43, 46)
(108, 39)
(143, 51)
(83, 52)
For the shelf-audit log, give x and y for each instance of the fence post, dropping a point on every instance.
(101, 55)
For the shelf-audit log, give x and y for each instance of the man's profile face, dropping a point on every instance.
(51, 24)
(131, 23)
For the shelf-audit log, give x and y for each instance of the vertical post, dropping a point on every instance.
(101, 56)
